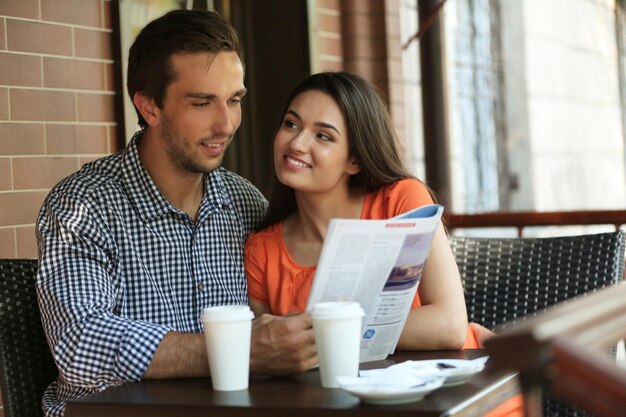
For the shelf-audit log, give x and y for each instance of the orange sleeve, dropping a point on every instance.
(255, 265)
(408, 194)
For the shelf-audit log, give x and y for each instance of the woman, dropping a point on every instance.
(336, 154)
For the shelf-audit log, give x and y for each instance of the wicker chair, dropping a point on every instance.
(26, 365)
(508, 279)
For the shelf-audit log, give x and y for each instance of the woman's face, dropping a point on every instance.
(311, 147)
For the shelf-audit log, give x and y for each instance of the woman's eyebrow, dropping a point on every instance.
(321, 124)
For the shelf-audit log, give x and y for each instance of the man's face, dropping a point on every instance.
(201, 110)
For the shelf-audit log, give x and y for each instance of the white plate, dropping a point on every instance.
(390, 394)
(463, 369)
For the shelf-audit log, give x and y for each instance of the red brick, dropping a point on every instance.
(42, 105)
(20, 70)
(26, 242)
(329, 23)
(20, 207)
(20, 8)
(73, 74)
(4, 104)
(79, 12)
(7, 244)
(21, 139)
(325, 65)
(95, 107)
(76, 139)
(35, 173)
(39, 37)
(5, 174)
(330, 46)
(3, 47)
(329, 4)
(93, 44)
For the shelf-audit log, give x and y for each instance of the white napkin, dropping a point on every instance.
(427, 369)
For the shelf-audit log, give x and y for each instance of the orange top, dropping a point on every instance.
(275, 280)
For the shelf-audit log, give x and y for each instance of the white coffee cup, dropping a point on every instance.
(337, 329)
(227, 332)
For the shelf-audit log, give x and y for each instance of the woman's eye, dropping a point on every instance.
(324, 137)
(289, 124)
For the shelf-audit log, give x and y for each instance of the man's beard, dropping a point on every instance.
(180, 151)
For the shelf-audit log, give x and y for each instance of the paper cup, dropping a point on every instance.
(227, 332)
(337, 328)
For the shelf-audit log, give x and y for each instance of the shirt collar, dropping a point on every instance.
(148, 200)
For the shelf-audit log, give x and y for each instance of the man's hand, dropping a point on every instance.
(282, 345)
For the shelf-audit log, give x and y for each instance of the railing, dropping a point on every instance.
(564, 349)
(523, 219)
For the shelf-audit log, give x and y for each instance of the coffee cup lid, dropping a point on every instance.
(227, 313)
(337, 309)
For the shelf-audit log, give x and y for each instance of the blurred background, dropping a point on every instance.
(502, 105)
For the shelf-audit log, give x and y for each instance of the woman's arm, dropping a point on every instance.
(441, 321)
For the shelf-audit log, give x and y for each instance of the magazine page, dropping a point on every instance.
(378, 263)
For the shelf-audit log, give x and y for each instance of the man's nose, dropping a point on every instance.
(223, 120)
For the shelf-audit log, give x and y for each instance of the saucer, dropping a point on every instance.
(388, 394)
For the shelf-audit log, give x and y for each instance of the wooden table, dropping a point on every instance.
(299, 396)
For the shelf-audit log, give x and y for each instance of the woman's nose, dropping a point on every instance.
(300, 142)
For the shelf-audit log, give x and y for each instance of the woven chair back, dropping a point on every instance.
(509, 279)
(26, 365)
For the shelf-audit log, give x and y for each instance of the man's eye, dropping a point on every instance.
(234, 101)
(203, 104)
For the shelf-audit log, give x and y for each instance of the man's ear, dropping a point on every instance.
(148, 109)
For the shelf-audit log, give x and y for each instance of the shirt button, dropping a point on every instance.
(201, 287)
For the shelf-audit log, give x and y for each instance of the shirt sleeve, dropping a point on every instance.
(256, 269)
(78, 286)
(408, 194)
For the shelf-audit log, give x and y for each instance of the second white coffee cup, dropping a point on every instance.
(227, 332)
(337, 329)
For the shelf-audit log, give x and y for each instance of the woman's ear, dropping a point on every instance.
(148, 109)
(354, 168)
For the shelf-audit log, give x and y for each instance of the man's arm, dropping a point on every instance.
(279, 345)
(179, 355)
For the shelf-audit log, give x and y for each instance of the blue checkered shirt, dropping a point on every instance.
(120, 267)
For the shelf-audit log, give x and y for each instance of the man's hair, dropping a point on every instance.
(150, 69)
(372, 138)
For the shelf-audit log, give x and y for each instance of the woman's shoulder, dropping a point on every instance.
(396, 198)
(264, 239)
(404, 185)
(406, 189)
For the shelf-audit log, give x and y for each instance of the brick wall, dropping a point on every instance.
(362, 37)
(56, 104)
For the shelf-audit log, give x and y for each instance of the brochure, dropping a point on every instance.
(378, 263)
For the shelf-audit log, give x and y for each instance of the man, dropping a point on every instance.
(133, 246)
